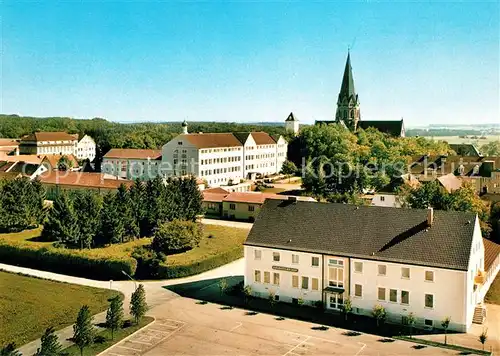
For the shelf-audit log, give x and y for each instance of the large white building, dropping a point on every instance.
(223, 158)
(58, 143)
(132, 163)
(429, 263)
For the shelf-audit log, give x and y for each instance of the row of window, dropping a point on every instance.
(214, 150)
(263, 156)
(220, 160)
(297, 281)
(209, 172)
(277, 257)
(233, 207)
(405, 271)
(391, 295)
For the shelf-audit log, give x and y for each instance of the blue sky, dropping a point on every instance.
(429, 62)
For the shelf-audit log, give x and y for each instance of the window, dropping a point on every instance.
(305, 282)
(251, 208)
(295, 281)
(405, 297)
(358, 267)
(393, 295)
(257, 276)
(314, 284)
(276, 279)
(232, 206)
(333, 262)
(381, 294)
(429, 301)
(336, 277)
(315, 261)
(382, 270)
(428, 323)
(257, 254)
(358, 290)
(405, 272)
(295, 259)
(382, 198)
(276, 256)
(429, 276)
(267, 277)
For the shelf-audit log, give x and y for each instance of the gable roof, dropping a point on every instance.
(242, 136)
(450, 164)
(391, 127)
(8, 142)
(465, 149)
(212, 140)
(450, 182)
(491, 253)
(49, 136)
(262, 138)
(82, 179)
(369, 232)
(130, 153)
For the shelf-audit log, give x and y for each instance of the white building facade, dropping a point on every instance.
(85, 148)
(430, 292)
(132, 164)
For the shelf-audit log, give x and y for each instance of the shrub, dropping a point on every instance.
(72, 262)
(148, 262)
(176, 236)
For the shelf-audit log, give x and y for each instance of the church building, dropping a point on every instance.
(348, 111)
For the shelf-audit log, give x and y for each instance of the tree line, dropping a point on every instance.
(85, 219)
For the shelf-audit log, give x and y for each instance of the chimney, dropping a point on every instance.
(430, 216)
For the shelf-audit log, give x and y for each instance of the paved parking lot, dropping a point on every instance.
(187, 327)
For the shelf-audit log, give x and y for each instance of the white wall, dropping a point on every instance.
(386, 200)
(285, 290)
(85, 148)
(144, 169)
(281, 153)
(448, 288)
(476, 263)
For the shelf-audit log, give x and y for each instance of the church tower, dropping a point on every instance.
(292, 124)
(348, 103)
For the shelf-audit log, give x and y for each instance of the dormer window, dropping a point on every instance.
(475, 170)
(461, 169)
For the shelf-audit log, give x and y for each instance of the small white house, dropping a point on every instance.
(85, 148)
(429, 263)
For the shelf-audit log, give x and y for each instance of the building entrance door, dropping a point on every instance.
(335, 301)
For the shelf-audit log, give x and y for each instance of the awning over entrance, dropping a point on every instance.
(334, 290)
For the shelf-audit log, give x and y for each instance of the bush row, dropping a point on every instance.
(185, 270)
(71, 262)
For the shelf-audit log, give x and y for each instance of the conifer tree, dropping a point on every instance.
(137, 193)
(50, 344)
(124, 207)
(156, 205)
(61, 224)
(16, 205)
(9, 350)
(87, 205)
(114, 315)
(138, 305)
(112, 229)
(83, 330)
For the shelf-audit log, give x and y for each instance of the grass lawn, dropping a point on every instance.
(29, 305)
(493, 295)
(119, 335)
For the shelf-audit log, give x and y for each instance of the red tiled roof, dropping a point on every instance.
(32, 159)
(450, 182)
(252, 197)
(263, 138)
(217, 190)
(8, 142)
(50, 136)
(210, 140)
(130, 153)
(491, 252)
(82, 179)
(213, 197)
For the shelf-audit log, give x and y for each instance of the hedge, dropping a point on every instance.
(181, 270)
(71, 262)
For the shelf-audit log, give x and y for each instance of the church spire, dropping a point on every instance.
(348, 103)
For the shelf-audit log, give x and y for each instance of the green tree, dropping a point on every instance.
(347, 308)
(64, 164)
(155, 204)
(176, 236)
(125, 213)
(114, 315)
(9, 350)
(61, 224)
(137, 193)
(492, 148)
(247, 294)
(411, 322)
(112, 229)
(483, 337)
(83, 330)
(138, 305)
(289, 168)
(445, 323)
(50, 345)
(272, 299)
(87, 205)
(223, 286)
(379, 314)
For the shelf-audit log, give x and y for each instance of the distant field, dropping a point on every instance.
(456, 139)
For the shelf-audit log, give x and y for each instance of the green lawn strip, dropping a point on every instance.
(442, 345)
(29, 305)
(493, 295)
(105, 335)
